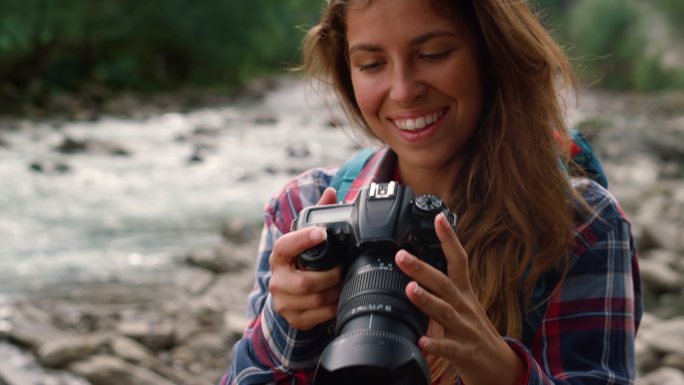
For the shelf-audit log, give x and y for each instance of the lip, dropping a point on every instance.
(422, 133)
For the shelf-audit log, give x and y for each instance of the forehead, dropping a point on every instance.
(376, 21)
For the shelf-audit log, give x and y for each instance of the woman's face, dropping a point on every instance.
(416, 79)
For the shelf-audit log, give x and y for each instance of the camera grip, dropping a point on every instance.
(316, 258)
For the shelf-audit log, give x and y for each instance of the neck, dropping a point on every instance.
(430, 180)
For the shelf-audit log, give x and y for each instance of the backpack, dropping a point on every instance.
(582, 155)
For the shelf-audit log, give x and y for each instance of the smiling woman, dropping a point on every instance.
(409, 65)
(464, 99)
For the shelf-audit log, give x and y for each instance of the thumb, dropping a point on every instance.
(329, 197)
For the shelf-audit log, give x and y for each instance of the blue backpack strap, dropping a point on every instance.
(349, 170)
(584, 156)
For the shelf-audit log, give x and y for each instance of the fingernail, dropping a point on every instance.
(424, 343)
(416, 288)
(318, 234)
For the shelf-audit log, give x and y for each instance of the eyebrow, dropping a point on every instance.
(413, 42)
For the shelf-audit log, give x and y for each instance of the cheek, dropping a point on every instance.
(368, 97)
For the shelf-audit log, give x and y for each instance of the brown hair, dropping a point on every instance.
(514, 201)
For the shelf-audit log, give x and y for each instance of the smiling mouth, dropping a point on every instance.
(416, 124)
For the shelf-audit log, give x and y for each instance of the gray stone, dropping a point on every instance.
(131, 351)
(76, 146)
(31, 328)
(137, 354)
(223, 258)
(667, 337)
(674, 360)
(660, 277)
(195, 280)
(647, 359)
(109, 370)
(662, 376)
(660, 234)
(60, 352)
(155, 336)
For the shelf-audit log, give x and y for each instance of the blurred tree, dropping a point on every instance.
(49, 46)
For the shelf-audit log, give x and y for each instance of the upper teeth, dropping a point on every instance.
(418, 123)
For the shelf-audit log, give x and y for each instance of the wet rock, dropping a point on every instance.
(209, 132)
(217, 259)
(298, 150)
(52, 167)
(109, 370)
(199, 154)
(265, 118)
(237, 230)
(77, 146)
(335, 122)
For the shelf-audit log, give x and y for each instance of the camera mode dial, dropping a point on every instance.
(427, 206)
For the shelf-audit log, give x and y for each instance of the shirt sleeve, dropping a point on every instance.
(270, 351)
(587, 334)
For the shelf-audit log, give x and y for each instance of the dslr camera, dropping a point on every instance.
(377, 326)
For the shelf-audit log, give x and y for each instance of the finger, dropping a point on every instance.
(300, 282)
(300, 303)
(329, 197)
(311, 318)
(425, 274)
(439, 347)
(456, 256)
(290, 245)
(436, 308)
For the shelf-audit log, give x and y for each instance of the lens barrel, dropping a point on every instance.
(377, 328)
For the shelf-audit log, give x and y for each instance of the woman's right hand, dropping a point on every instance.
(304, 298)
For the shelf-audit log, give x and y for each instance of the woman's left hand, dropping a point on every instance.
(469, 341)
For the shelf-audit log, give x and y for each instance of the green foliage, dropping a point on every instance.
(63, 45)
(609, 35)
(673, 10)
(610, 41)
(53, 46)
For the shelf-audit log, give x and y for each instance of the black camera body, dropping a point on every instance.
(377, 326)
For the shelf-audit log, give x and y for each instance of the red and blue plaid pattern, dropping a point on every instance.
(585, 337)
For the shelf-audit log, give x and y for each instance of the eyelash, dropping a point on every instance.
(429, 57)
(437, 56)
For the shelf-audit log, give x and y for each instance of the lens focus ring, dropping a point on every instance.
(375, 285)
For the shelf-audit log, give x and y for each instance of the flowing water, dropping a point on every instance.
(129, 218)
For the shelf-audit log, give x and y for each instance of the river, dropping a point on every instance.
(102, 217)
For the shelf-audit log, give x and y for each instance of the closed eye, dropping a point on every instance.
(436, 56)
(370, 67)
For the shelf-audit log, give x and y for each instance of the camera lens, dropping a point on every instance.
(377, 328)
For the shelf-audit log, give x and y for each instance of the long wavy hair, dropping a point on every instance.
(515, 203)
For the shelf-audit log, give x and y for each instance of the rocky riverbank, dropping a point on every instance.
(182, 331)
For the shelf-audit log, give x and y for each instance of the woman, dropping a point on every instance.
(464, 95)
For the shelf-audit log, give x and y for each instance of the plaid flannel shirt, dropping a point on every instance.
(586, 335)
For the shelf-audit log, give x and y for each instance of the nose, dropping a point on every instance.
(406, 87)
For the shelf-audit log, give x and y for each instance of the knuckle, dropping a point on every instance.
(320, 300)
(301, 284)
